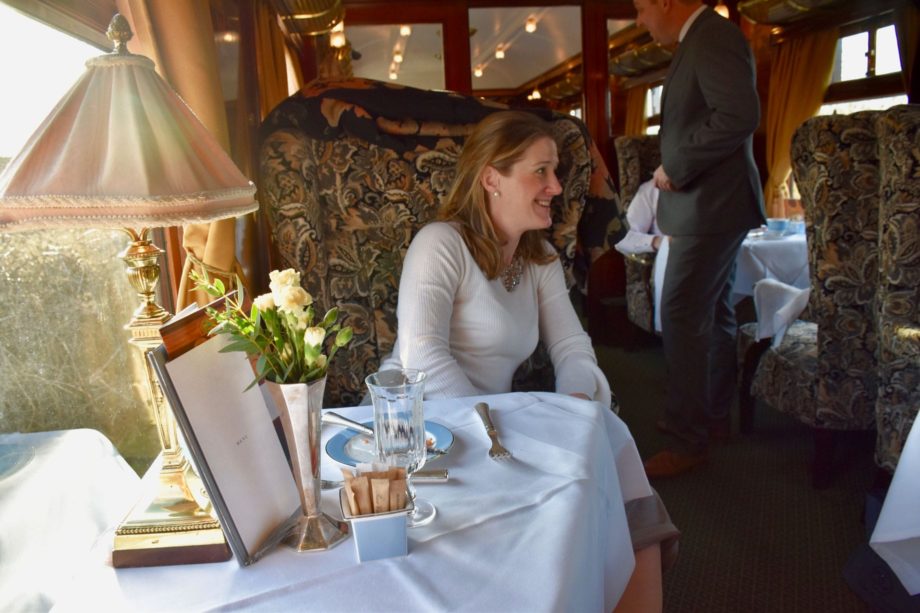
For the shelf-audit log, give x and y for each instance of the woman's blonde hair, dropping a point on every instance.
(498, 141)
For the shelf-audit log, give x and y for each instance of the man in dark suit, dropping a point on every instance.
(710, 197)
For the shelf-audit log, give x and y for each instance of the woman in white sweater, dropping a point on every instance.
(481, 286)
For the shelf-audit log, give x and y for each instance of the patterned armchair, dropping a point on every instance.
(824, 373)
(899, 284)
(637, 159)
(351, 169)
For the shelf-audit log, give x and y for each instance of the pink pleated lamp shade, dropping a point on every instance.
(121, 150)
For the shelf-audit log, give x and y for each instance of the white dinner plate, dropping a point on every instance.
(350, 447)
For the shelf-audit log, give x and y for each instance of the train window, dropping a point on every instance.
(71, 367)
(866, 54)
(653, 109)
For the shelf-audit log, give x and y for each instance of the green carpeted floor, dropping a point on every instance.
(755, 535)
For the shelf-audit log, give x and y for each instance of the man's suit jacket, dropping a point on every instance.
(710, 110)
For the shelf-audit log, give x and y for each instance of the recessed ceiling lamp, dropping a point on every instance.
(721, 9)
(337, 36)
(394, 74)
(530, 26)
(477, 72)
(535, 95)
(405, 30)
(500, 52)
(398, 56)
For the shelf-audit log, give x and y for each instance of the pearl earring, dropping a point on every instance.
(496, 194)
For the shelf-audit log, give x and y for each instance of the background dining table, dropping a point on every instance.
(763, 255)
(544, 531)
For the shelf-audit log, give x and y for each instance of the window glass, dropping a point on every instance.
(887, 59)
(851, 61)
(869, 104)
(64, 355)
(653, 101)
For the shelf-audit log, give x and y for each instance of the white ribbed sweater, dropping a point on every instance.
(470, 334)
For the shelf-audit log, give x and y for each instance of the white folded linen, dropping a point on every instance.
(896, 537)
(777, 305)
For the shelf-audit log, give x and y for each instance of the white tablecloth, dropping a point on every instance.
(896, 537)
(784, 259)
(59, 491)
(544, 532)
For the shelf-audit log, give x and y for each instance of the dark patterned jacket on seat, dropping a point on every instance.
(351, 169)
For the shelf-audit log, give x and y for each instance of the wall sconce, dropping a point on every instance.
(530, 26)
(500, 52)
(405, 30)
(337, 36)
(721, 9)
(535, 95)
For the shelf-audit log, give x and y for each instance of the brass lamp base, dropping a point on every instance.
(173, 522)
(168, 526)
(316, 533)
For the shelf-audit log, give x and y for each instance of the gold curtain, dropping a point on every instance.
(800, 73)
(270, 57)
(179, 38)
(271, 82)
(636, 121)
(907, 24)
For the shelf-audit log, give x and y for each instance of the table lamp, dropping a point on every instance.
(122, 150)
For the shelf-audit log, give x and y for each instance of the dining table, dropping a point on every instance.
(545, 530)
(781, 257)
(767, 255)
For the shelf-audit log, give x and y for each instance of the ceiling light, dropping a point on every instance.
(535, 95)
(398, 56)
(393, 75)
(405, 30)
(530, 26)
(500, 52)
(477, 72)
(721, 9)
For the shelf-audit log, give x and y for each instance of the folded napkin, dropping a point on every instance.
(896, 538)
(777, 305)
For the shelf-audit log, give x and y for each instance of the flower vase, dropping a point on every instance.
(300, 409)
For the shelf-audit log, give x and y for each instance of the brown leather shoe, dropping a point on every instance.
(669, 463)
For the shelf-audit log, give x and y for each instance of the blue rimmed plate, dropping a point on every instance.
(350, 447)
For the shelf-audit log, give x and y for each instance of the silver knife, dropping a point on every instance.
(329, 417)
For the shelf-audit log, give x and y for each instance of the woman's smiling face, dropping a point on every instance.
(525, 193)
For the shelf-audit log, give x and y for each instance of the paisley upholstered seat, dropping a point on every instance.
(637, 159)
(899, 285)
(825, 371)
(351, 169)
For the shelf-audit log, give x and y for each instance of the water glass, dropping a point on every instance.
(399, 428)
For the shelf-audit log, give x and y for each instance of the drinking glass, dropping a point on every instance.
(399, 428)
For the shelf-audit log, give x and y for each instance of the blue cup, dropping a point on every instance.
(777, 224)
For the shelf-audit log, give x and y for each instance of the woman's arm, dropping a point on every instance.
(569, 346)
(432, 272)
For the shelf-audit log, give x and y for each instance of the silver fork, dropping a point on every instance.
(496, 452)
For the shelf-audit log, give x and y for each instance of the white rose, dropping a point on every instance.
(284, 278)
(314, 336)
(292, 298)
(265, 302)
